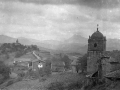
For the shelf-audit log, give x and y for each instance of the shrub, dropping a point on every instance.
(18, 79)
(4, 70)
(10, 83)
(33, 74)
(47, 68)
(56, 86)
(82, 63)
(67, 61)
(22, 74)
(75, 85)
(19, 54)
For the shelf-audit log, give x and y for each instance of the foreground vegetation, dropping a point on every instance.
(60, 81)
(4, 72)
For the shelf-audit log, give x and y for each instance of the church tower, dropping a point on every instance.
(96, 47)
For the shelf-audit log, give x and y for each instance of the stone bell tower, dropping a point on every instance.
(96, 47)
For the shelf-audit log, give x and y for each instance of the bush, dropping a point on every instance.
(76, 85)
(19, 54)
(47, 68)
(82, 63)
(22, 74)
(18, 79)
(67, 61)
(10, 83)
(33, 74)
(1, 79)
(56, 86)
(4, 70)
(64, 86)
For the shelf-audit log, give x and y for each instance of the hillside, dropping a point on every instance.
(76, 43)
(113, 44)
(6, 39)
(77, 39)
(68, 79)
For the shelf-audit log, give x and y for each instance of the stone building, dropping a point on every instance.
(96, 48)
(74, 64)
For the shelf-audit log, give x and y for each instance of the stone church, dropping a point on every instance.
(96, 48)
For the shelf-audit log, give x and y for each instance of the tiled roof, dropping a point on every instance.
(27, 57)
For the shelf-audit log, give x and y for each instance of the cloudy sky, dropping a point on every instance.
(59, 19)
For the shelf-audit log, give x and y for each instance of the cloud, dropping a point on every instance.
(96, 4)
(46, 20)
(52, 21)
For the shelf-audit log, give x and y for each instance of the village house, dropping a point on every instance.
(74, 63)
(28, 60)
(57, 65)
(74, 66)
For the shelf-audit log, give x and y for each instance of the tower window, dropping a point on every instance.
(95, 45)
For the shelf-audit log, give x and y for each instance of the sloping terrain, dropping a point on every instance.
(108, 86)
(36, 85)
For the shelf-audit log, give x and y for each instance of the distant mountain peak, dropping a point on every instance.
(2, 35)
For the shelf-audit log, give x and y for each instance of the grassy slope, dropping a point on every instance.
(36, 85)
(108, 86)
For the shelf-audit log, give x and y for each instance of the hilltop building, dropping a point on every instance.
(17, 42)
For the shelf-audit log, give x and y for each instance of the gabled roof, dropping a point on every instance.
(27, 57)
(43, 56)
(58, 63)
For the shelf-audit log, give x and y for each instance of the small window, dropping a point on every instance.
(95, 45)
(30, 63)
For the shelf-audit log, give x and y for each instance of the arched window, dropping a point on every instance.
(95, 45)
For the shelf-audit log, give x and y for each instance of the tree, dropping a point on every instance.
(7, 55)
(67, 61)
(82, 63)
(47, 68)
(4, 70)
(19, 54)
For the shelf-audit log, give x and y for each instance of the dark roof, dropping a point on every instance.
(97, 35)
(114, 74)
(27, 57)
(57, 63)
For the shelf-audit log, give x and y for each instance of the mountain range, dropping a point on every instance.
(76, 43)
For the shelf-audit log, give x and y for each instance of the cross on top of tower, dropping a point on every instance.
(97, 27)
